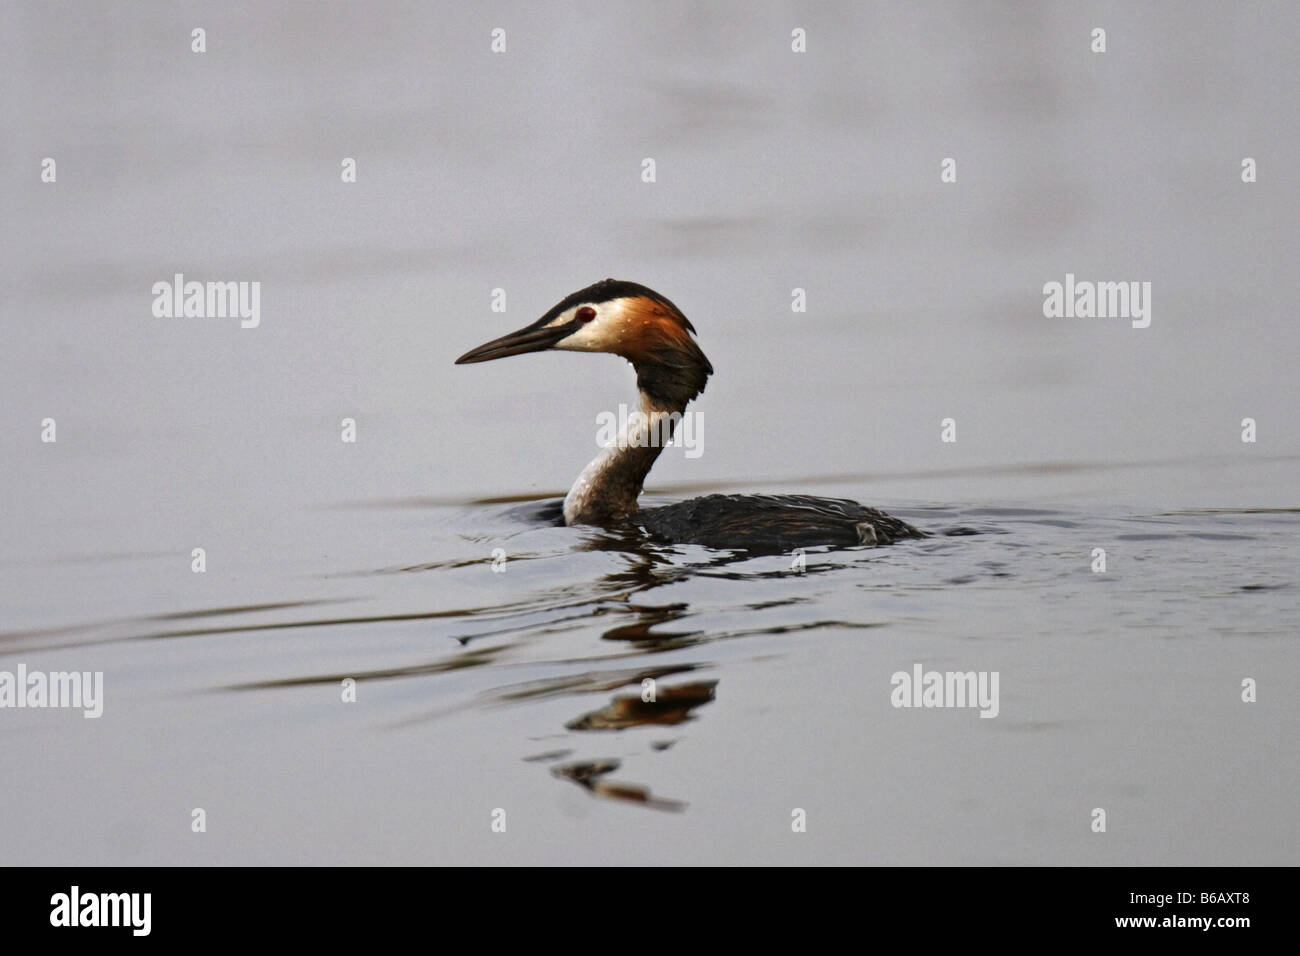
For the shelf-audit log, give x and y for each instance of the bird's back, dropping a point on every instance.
(772, 524)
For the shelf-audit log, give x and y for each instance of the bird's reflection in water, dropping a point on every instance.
(588, 776)
(640, 636)
(654, 704)
(665, 706)
(644, 628)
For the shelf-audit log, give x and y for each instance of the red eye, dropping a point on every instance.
(585, 314)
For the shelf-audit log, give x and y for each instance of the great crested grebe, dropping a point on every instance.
(639, 324)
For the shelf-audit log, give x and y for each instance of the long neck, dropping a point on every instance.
(608, 488)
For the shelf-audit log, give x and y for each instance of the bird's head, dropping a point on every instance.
(623, 318)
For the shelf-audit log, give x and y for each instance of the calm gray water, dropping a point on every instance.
(499, 658)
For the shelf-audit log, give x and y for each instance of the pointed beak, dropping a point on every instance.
(534, 338)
